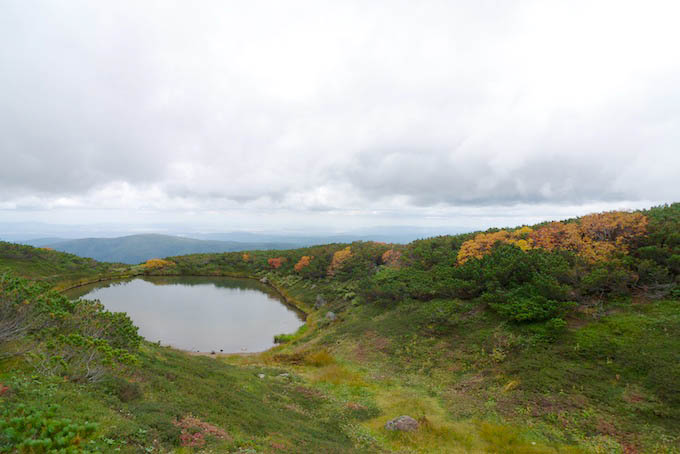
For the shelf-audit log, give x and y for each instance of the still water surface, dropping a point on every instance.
(199, 313)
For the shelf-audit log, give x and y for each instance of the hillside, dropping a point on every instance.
(554, 338)
(139, 248)
(53, 267)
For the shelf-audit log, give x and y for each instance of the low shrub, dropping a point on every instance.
(319, 358)
(29, 430)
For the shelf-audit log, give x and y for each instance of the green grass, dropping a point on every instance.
(54, 267)
(600, 375)
(270, 414)
(605, 385)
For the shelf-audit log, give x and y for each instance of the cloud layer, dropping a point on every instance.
(358, 107)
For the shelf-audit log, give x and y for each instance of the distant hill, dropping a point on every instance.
(139, 248)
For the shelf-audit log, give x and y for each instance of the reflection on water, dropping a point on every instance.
(199, 313)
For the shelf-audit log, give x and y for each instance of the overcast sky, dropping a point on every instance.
(265, 114)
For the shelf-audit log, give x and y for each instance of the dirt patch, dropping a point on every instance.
(309, 392)
(354, 406)
(369, 343)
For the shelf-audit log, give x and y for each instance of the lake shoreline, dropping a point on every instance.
(279, 291)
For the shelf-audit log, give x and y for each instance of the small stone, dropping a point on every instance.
(331, 316)
(320, 301)
(260, 375)
(264, 280)
(403, 423)
(284, 375)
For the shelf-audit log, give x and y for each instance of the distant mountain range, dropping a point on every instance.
(139, 248)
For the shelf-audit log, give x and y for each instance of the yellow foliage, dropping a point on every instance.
(482, 243)
(339, 258)
(246, 257)
(522, 232)
(157, 263)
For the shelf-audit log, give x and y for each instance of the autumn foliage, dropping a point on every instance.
(595, 237)
(157, 263)
(339, 257)
(305, 260)
(483, 242)
(246, 257)
(391, 258)
(276, 262)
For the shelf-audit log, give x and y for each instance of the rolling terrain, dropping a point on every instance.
(555, 338)
(134, 249)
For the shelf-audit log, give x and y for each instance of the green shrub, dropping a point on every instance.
(283, 338)
(125, 390)
(29, 430)
(606, 278)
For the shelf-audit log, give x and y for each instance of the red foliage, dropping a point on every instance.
(194, 432)
(276, 262)
(391, 258)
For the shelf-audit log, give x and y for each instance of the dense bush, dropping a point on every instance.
(77, 339)
(30, 430)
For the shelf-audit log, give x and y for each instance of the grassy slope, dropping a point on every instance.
(51, 266)
(477, 382)
(271, 414)
(609, 384)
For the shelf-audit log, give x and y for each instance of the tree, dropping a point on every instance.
(305, 260)
(276, 262)
(339, 258)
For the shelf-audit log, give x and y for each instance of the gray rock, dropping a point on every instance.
(264, 280)
(330, 316)
(284, 375)
(260, 375)
(320, 301)
(403, 423)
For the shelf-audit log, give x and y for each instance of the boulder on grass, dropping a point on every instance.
(402, 423)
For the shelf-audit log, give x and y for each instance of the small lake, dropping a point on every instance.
(199, 313)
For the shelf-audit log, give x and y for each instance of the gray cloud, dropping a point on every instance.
(322, 106)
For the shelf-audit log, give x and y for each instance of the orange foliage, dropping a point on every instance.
(391, 258)
(304, 261)
(276, 262)
(482, 243)
(595, 237)
(157, 263)
(615, 226)
(246, 257)
(339, 258)
(605, 233)
(557, 235)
